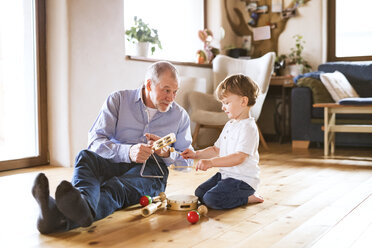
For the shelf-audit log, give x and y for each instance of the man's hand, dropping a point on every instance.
(164, 152)
(204, 164)
(140, 153)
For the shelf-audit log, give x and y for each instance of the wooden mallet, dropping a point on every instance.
(195, 215)
(146, 200)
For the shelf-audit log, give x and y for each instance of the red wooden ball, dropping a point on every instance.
(193, 216)
(145, 200)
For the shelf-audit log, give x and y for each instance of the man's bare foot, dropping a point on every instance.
(255, 199)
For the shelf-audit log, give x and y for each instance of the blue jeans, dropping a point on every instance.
(109, 186)
(226, 193)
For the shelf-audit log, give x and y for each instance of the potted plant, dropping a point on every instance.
(294, 64)
(142, 35)
(297, 64)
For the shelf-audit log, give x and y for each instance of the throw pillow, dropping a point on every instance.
(338, 85)
(320, 93)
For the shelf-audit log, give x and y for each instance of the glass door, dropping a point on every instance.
(23, 129)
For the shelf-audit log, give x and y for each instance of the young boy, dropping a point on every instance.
(235, 151)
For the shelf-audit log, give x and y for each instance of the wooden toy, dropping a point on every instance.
(174, 202)
(151, 208)
(182, 202)
(146, 200)
(160, 143)
(195, 215)
(163, 142)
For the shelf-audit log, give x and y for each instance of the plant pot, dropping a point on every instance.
(295, 69)
(142, 49)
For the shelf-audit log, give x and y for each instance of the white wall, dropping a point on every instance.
(86, 62)
(308, 23)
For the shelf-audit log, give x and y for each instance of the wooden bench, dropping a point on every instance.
(330, 126)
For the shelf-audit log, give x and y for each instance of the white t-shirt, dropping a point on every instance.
(241, 136)
(151, 112)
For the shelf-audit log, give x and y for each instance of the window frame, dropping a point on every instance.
(331, 41)
(40, 45)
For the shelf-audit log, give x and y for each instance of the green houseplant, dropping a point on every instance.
(295, 57)
(142, 33)
(294, 63)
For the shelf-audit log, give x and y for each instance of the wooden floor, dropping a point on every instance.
(310, 201)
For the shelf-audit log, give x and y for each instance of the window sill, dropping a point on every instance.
(136, 58)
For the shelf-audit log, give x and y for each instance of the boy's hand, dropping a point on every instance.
(204, 164)
(188, 153)
(164, 152)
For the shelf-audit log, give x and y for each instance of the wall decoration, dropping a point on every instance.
(276, 6)
(261, 33)
(261, 14)
(209, 52)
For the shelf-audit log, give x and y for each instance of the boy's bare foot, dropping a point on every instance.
(255, 199)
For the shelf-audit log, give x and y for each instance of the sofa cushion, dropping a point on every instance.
(358, 73)
(356, 101)
(320, 93)
(338, 86)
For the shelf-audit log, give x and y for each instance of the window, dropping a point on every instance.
(177, 22)
(23, 130)
(349, 30)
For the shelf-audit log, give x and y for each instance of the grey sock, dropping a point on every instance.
(50, 218)
(71, 203)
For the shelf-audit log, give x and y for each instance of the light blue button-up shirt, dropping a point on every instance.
(123, 122)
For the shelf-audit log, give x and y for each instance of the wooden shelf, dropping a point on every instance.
(144, 59)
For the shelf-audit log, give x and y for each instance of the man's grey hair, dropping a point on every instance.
(157, 69)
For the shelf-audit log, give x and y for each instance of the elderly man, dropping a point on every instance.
(110, 174)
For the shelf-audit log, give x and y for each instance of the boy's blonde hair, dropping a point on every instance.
(240, 85)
